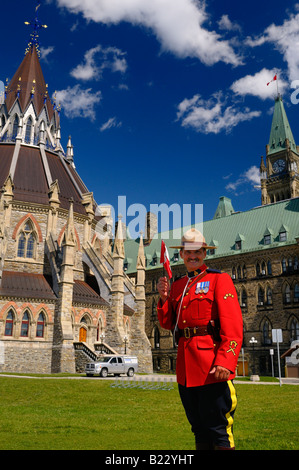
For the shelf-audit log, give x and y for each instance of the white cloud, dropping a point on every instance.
(112, 122)
(212, 115)
(286, 39)
(256, 85)
(226, 24)
(250, 176)
(45, 51)
(77, 102)
(178, 25)
(97, 59)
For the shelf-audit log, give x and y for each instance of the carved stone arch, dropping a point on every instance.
(22, 222)
(266, 330)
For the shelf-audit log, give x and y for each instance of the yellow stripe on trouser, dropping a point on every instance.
(228, 415)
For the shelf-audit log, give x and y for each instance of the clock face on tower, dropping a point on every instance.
(279, 166)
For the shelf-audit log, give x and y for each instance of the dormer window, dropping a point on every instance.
(238, 245)
(283, 236)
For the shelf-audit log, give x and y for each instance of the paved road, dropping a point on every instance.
(149, 378)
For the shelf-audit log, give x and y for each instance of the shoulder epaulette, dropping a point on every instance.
(217, 271)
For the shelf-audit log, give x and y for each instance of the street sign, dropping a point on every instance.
(277, 336)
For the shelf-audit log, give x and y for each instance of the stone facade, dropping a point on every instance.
(60, 283)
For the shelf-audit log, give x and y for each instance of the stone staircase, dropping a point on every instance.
(84, 354)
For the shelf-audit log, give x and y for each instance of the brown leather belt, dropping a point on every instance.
(189, 332)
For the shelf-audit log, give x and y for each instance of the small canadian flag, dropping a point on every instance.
(273, 80)
(164, 259)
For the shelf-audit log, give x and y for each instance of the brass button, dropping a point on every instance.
(184, 321)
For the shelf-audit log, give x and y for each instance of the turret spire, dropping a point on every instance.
(36, 26)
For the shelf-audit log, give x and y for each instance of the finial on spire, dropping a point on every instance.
(36, 26)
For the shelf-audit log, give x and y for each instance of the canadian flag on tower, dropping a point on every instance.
(164, 259)
(273, 80)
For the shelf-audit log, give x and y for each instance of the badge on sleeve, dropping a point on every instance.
(202, 287)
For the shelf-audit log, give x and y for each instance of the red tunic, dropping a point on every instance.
(211, 297)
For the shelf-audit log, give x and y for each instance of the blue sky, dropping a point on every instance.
(166, 100)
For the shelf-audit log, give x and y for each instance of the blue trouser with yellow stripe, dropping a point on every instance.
(210, 410)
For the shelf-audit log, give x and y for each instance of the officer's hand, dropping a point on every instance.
(163, 288)
(221, 373)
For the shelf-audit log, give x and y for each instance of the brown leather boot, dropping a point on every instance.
(223, 448)
(203, 446)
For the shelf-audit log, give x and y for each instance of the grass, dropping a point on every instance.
(89, 414)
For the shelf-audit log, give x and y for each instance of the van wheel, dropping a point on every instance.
(130, 372)
(104, 373)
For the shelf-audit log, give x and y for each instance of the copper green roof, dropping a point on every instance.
(280, 130)
(233, 234)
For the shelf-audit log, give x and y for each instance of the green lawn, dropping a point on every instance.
(66, 414)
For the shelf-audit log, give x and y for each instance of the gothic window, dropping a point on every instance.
(157, 338)
(296, 265)
(261, 296)
(296, 293)
(25, 325)
(243, 298)
(40, 326)
(9, 324)
(258, 270)
(239, 276)
(28, 131)
(27, 242)
(154, 310)
(284, 265)
(234, 273)
(294, 329)
(263, 268)
(15, 127)
(269, 296)
(267, 335)
(244, 272)
(269, 268)
(287, 294)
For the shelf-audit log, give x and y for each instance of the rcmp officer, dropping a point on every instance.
(203, 310)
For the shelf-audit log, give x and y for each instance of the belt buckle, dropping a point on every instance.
(187, 332)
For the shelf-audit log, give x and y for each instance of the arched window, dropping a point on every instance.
(296, 293)
(294, 329)
(25, 325)
(15, 127)
(284, 265)
(157, 338)
(269, 267)
(27, 242)
(258, 269)
(267, 335)
(287, 294)
(40, 326)
(28, 131)
(260, 296)
(9, 324)
(269, 296)
(243, 298)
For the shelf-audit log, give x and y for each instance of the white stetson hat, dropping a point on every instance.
(193, 240)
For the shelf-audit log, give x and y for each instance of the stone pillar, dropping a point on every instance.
(63, 350)
(139, 343)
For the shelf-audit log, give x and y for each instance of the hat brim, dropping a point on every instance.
(207, 247)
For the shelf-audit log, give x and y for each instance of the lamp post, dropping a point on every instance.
(125, 341)
(253, 341)
(102, 337)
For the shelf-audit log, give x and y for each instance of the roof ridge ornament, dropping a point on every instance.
(34, 36)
